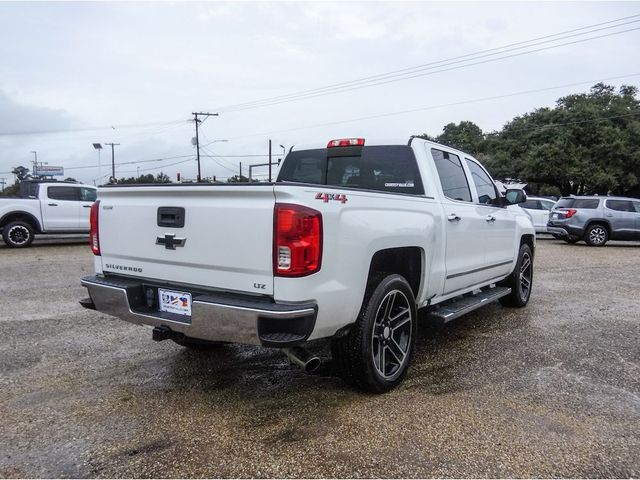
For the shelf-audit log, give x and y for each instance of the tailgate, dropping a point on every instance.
(225, 243)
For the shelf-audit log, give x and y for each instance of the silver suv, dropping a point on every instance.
(595, 220)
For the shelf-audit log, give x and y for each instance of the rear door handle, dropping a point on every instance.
(52, 204)
(86, 206)
(609, 215)
(453, 218)
(490, 218)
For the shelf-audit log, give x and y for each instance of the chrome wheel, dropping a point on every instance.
(391, 339)
(19, 235)
(597, 235)
(526, 270)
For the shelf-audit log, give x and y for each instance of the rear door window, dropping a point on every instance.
(64, 193)
(452, 177)
(385, 168)
(546, 204)
(88, 194)
(621, 205)
(531, 205)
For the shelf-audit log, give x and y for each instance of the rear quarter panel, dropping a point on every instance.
(353, 232)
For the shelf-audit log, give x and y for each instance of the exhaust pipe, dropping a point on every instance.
(303, 358)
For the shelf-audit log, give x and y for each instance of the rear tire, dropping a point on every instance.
(520, 281)
(596, 235)
(197, 344)
(375, 355)
(18, 234)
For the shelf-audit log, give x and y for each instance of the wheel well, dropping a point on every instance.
(528, 240)
(23, 216)
(405, 261)
(604, 223)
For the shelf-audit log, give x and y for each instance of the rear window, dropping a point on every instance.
(387, 168)
(589, 203)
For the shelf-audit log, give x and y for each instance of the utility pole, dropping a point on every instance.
(35, 161)
(240, 179)
(113, 160)
(3, 182)
(269, 160)
(197, 121)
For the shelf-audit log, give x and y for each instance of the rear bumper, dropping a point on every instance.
(564, 230)
(232, 318)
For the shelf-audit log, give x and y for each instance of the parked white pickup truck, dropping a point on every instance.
(347, 244)
(45, 207)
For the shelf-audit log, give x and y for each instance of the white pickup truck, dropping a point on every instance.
(347, 244)
(45, 207)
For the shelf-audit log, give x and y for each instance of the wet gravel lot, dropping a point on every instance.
(549, 390)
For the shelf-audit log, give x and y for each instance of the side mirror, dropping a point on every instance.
(515, 196)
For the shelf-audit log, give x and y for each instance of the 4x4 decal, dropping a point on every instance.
(325, 197)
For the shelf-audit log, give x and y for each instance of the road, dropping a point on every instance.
(549, 390)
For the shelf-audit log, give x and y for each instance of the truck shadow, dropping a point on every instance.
(447, 358)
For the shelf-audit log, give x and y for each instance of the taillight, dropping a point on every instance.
(297, 240)
(94, 236)
(569, 212)
(346, 142)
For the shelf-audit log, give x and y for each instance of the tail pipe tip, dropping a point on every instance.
(303, 358)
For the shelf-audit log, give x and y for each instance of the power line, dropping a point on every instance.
(134, 162)
(434, 107)
(432, 69)
(237, 155)
(410, 69)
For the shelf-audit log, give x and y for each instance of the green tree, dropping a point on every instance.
(589, 143)
(465, 136)
(238, 179)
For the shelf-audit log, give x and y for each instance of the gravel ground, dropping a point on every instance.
(552, 390)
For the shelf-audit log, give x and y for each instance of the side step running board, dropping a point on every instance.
(457, 308)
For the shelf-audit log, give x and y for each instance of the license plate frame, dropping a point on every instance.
(172, 301)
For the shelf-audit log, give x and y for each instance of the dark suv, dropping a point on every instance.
(595, 220)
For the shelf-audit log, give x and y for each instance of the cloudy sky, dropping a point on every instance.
(76, 73)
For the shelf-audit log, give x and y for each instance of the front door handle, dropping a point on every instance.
(52, 204)
(86, 206)
(490, 218)
(609, 215)
(453, 218)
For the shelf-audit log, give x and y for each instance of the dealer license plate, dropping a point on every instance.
(174, 302)
(554, 216)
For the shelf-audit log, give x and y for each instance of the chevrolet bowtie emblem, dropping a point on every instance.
(170, 241)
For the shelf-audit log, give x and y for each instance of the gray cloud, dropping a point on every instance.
(17, 117)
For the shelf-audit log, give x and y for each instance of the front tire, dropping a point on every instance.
(571, 239)
(375, 355)
(596, 235)
(18, 234)
(520, 281)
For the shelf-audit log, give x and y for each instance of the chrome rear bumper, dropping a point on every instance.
(223, 318)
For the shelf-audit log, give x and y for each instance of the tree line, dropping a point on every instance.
(587, 144)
